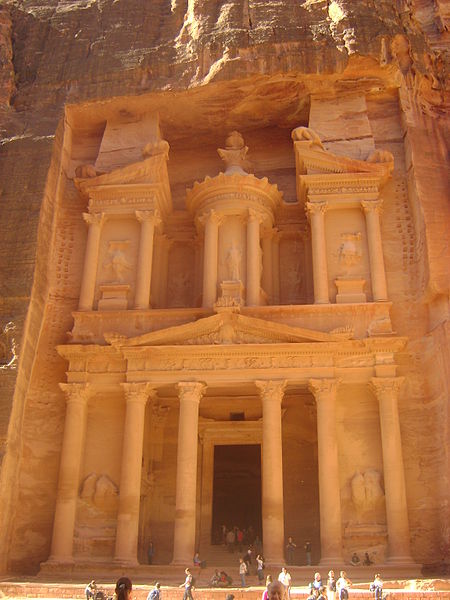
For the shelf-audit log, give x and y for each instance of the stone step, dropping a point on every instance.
(62, 591)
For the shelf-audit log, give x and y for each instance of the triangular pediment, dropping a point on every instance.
(224, 328)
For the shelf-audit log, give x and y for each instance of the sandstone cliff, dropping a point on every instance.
(232, 63)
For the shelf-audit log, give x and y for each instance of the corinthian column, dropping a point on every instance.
(271, 393)
(316, 213)
(94, 222)
(189, 393)
(148, 219)
(211, 221)
(253, 259)
(324, 391)
(267, 274)
(136, 395)
(69, 471)
(386, 389)
(372, 213)
(276, 266)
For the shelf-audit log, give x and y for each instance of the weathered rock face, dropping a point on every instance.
(364, 75)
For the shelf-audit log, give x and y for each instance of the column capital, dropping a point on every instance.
(191, 390)
(323, 387)
(316, 208)
(386, 386)
(76, 392)
(271, 389)
(137, 391)
(94, 218)
(372, 206)
(254, 215)
(210, 216)
(148, 215)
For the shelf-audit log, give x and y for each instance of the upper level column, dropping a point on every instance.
(271, 393)
(148, 219)
(211, 221)
(316, 214)
(94, 221)
(136, 395)
(253, 259)
(324, 391)
(372, 213)
(386, 389)
(267, 274)
(276, 266)
(189, 393)
(72, 452)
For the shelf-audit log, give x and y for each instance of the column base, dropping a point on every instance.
(182, 562)
(125, 562)
(406, 561)
(276, 562)
(331, 561)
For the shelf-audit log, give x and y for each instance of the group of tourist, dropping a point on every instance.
(235, 538)
(332, 589)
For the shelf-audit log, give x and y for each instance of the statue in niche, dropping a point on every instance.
(118, 263)
(179, 288)
(367, 494)
(234, 154)
(234, 259)
(350, 253)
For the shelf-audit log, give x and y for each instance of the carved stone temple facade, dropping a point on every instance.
(237, 320)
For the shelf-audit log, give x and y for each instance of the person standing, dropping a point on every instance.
(342, 585)
(230, 540)
(150, 553)
(331, 586)
(260, 568)
(285, 578)
(377, 587)
(307, 548)
(243, 570)
(188, 585)
(90, 590)
(290, 551)
(155, 593)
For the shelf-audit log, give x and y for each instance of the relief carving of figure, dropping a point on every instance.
(366, 493)
(350, 253)
(234, 259)
(118, 263)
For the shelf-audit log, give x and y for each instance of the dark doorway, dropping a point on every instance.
(236, 489)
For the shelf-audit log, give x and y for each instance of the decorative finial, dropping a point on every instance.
(234, 154)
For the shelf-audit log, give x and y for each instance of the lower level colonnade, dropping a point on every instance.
(190, 393)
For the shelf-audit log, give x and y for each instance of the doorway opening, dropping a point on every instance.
(237, 490)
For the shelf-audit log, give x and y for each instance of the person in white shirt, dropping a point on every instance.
(285, 578)
(342, 585)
